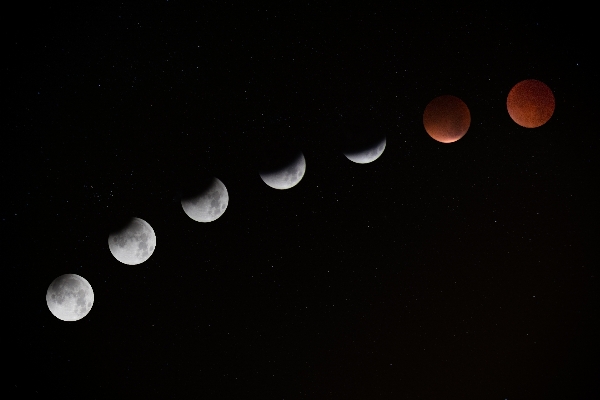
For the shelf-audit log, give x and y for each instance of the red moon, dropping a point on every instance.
(446, 118)
(530, 103)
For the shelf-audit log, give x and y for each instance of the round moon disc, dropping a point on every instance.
(70, 297)
(133, 244)
(530, 103)
(285, 176)
(208, 204)
(446, 118)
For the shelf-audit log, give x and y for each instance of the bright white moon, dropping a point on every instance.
(208, 205)
(70, 297)
(134, 244)
(368, 154)
(287, 176)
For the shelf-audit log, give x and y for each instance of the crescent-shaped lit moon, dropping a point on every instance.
(286, 176)
(367, 154)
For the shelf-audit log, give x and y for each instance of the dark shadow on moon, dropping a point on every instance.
(206, 201)
(120, 225)
(282, 166)
(362, 140)
(275, 158)
(198, 188)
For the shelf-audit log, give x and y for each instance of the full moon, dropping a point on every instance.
(285, 173)
(208, 202)
(70, 297)
(134, 243)
(366, 154)
(530, 103)
(446, 119)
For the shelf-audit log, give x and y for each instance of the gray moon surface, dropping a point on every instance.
(208, 205)
(368, 154)
(287, 176)
(134, 244)
(70, 297)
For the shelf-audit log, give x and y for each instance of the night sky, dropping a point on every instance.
(438, 271)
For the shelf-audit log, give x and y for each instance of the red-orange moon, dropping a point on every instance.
(446, 118)
(530, 103)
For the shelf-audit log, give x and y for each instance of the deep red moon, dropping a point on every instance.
(446, 118)
(530, 103)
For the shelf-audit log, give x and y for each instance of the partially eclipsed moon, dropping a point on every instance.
(287, 175)
(208, 204)
(133, 244)
(446, 118)
(367, 154)
(70, 297)
(530, 103)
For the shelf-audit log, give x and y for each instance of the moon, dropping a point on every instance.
(366, 154)
(285, 172)
(530, 103)
(446, 118)
(208, 203)
(70, 297)
(134, 243)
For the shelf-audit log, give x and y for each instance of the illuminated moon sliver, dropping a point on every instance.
(446, 118)
(530, 103)
(367, 154)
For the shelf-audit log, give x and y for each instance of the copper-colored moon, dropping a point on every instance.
(530, 103)
(446, 118)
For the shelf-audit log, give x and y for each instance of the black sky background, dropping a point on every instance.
(463, 270)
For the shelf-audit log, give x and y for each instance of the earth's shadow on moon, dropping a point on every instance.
(120, 224)
(132, 240)
(206, 200)
(191, 190)
(276, 157)
(360, 135)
